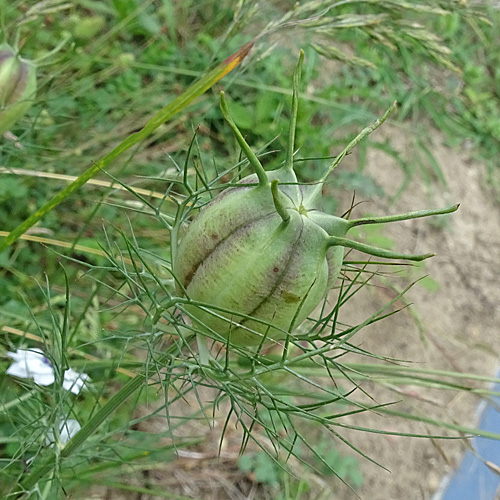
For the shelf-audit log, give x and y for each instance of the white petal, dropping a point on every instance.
(22, 355)
(18, 370)
(74, 381)
(31, 364)
(39, 365)
(67, 430)
(44, 378)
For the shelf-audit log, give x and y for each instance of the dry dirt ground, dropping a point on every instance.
(459, 331)
(460, 320)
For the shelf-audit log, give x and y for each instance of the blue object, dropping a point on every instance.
(474, 480)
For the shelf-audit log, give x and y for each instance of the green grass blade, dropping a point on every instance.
(171, 109)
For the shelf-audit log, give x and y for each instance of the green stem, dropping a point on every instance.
(204, 355)
(177, 105)
(295, 109)
(252, 158)
(48, 462)
(377, 252)
(278, 204)
(86, 431)
(441, 423)
(410, 215)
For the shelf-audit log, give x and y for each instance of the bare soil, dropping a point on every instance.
(459, 328)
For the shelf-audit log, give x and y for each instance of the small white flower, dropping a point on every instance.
(74, 381)
(67, 430)
(33, 364)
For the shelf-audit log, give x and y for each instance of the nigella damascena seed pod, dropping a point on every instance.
(261, 256)
(17, 87)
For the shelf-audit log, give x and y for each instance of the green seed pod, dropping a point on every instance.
(261, 256)
(17, 87)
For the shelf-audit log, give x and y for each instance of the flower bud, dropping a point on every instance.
(17, 87)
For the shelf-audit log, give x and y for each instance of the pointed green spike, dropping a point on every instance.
(252, 158)
(400, 217)
(377, 252)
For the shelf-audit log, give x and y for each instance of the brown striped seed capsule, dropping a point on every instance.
(261, 256)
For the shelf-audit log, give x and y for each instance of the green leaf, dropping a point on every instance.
(266, 469)
(245, 463)
(429, 284)
(262, 465)
(242, 116)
